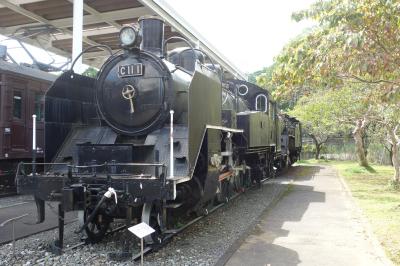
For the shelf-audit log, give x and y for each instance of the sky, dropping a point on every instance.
(249, 33)
(19, 54)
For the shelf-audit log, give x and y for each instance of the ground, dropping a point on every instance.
(316, 223)
(305, 216)
(379, 202)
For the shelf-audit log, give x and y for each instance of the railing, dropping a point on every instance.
(108, 169)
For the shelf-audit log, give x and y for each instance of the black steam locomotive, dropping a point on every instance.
(155, 137)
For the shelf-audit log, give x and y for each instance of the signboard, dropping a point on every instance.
(141, 230)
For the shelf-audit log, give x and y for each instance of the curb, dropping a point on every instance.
(242, 237)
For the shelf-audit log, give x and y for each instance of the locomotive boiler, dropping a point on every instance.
(155, 137)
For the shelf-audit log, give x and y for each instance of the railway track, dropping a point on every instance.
(172, 233)
(4, 194)
(183, 246)
(18, 208)
(26, 227)
(14, 209)
(120, 256)
(149, 249)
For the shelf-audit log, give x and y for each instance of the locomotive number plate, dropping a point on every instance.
(132, 70)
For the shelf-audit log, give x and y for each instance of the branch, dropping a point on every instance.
(345, 121)
(368, 81)
(314, 139)
(387, 148)
(365, 121)
(324, 141)
(384, 48)
(397, 138)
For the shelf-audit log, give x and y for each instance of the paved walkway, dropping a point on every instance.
(317, 223)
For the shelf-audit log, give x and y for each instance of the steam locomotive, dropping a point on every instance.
(155, 137)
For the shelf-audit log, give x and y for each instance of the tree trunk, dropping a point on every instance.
(365, 142)
(395, 154)
(390, 150)
(317, 146)
(358, 138)
(317, 150)
(396, 163)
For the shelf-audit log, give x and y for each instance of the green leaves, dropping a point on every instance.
(355, 42)
(345, 69)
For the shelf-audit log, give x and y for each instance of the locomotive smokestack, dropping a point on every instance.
(152, 32)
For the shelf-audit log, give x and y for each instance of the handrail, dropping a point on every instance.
(97, 165)
(45, 163)
(77, 167)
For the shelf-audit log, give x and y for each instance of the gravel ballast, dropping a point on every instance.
(207, 242)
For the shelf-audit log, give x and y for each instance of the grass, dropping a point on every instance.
(379, 202)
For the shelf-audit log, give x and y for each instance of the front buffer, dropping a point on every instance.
(103, 192)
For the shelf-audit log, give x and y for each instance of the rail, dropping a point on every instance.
(12, 221)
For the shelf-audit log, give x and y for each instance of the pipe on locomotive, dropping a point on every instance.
(88, 49)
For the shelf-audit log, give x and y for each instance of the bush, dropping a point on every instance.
(394, 184)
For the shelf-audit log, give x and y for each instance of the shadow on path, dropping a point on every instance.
(258, 247)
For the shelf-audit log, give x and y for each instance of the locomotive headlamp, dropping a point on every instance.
(128, 36)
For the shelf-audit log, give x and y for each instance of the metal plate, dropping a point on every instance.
(132, 70)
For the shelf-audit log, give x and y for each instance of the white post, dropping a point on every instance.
(171, 146)
(77, 33)
(33, 145)
(141, 251)
(34, 132)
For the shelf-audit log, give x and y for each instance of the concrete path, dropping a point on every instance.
(316, 223)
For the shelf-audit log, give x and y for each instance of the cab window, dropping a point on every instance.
(39, 107)
(261, 103)
(17, 104)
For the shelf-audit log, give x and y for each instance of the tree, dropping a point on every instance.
(389, 118)
(331, 112)
(317, 117)
(357, 40)
(355, 44)
(253, 76)
(90, 72)
(263, 78)
(379, 136)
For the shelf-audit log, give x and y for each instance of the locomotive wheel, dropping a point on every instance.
(238, 182)
(272, 169)
(199, 208)
(153, 218)
(97, 229)
(227, 191)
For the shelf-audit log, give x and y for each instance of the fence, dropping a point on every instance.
(343, 149)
